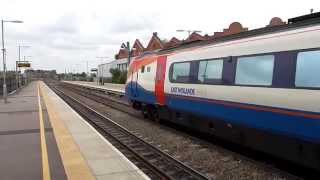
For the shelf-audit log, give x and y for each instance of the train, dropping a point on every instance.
(259, 88)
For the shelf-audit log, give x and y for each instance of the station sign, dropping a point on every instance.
(24, 65)
(94, 70)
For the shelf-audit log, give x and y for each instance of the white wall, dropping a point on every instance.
(104, 69)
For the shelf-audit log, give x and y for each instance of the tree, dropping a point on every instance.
(118, 76)
(123, 77)
(83, 74)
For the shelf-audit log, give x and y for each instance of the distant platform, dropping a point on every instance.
(42, 137)
(120, 88)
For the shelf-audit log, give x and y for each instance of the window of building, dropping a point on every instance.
(210, 71)
(142, 69)
(255, 70)
(148, 69)
(308, 68)
(181, 72)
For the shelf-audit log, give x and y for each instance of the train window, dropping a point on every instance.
(255, 70)
(210, 71)
(181, 72)
(308, 68)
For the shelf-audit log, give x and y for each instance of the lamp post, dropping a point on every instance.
(24, 57)
(127, 47)
(19, 48)
(87, 70)
(87, 63)
(130, 50)
(4, 59)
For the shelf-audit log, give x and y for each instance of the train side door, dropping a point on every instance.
(159, 80)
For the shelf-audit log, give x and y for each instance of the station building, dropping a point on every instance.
(120, 60)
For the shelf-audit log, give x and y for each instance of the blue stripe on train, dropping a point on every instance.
(135, 92)
(291, 126)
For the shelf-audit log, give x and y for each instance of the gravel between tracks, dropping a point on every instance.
(214, 161)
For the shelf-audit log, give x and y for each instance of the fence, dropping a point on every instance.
(11, 83)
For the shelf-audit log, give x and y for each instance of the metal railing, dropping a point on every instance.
(12, 84)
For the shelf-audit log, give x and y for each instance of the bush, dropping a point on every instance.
(118, 77)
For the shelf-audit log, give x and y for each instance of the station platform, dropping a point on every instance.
(41, 137)
(120, 88)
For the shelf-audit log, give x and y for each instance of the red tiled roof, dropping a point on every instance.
(194, 37)
(154, 43)
(172, 43)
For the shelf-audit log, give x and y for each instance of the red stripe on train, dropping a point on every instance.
(159, 81)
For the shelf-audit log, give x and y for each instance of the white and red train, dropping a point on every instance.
(259, 88)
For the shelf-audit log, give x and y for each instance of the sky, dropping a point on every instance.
(64, 35)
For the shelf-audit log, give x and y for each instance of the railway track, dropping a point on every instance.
(154, 162)
(102, 98)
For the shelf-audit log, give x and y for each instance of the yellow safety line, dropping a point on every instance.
(73, 161)
(44, 151)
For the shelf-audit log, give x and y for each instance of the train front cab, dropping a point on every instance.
(145, 84)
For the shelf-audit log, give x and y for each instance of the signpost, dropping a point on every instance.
(21, 64)
(94, 69)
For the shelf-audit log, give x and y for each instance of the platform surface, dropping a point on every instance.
(108, 86)
(41, 137)
(20, 138)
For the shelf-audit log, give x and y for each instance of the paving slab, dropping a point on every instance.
(20, 141)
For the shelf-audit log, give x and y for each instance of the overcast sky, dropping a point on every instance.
(64, 34)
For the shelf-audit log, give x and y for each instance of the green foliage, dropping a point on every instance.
(76, 76)
(118, 76)
(83, 75)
